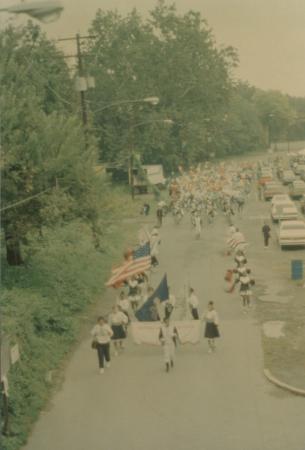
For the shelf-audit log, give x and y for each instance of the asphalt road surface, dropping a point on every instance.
(215, 401)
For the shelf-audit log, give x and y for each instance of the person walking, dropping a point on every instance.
(124, 304)
(193, 303)
(168, 336)
(118, 320)
(211, 326)
(102, 334)
(133, 294)
(266, 230)
(159, 214)
(154, 246)
(240, 258)
(169, 305)
(245, 289)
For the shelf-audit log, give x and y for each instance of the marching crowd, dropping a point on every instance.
(202, 194)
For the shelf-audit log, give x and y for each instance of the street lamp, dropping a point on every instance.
(45, 11)
(151, 100)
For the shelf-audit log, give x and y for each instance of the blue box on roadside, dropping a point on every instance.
(296, 269)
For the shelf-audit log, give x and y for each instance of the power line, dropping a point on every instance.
(25, 200)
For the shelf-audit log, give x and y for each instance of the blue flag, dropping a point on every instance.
(148, 311)
(143, 250)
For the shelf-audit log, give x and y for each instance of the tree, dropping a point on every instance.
(275, 112)
(47, 167)
(168, 55)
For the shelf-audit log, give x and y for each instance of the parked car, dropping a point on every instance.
(299, 169)
(284, 211)
(297, 189)
(288, 177)
(280, 198)
(291, 233)
(265, 176)
(272, 188)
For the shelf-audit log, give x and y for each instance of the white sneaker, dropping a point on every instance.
(101, 371)
(107, 365)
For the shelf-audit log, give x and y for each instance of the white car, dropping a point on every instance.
(288, 177)
(280, 198)
(284, 211)
(291, 233)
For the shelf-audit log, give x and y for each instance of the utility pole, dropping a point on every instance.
(81, 74)
(82, 88)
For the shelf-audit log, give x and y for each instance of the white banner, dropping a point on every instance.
(148, 332)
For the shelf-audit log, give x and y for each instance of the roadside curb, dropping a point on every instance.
(280, 384)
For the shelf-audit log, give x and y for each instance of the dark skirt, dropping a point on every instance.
(118, 332)
(211, 330)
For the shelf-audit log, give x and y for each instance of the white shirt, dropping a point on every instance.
(193, 301)
(211, 316)
(123, 303)
(118, 318)
(167, 334)
(102, 333)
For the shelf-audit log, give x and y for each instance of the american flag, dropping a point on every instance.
(139, 263)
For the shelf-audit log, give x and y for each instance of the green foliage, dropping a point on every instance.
(171, 56)
(47, 165)
(41, 306)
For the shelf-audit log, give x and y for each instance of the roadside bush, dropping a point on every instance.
(41, 304)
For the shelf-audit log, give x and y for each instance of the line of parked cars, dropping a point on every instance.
(284, 210)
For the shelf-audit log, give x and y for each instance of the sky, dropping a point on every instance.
(269, 35)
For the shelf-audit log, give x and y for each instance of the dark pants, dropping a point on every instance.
(154, 261)
(266, 239)
(195, 314)
(103, 352)
(168, 311)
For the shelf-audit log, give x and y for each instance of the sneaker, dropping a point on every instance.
(101, 371)
(107, 365)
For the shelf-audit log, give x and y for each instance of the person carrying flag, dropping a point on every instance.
(168, 336)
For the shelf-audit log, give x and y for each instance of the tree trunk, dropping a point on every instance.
(13, 250)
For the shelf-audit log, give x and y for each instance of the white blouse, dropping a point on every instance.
(211, 316)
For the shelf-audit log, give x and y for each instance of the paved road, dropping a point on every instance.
(209, 402)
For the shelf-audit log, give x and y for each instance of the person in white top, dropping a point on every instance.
(211, 326)
(167, 336)
(117, 321)
(124, 304)
(154, 246)
(102, 334)
(193, 303)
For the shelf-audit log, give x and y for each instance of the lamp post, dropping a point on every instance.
(47, 11)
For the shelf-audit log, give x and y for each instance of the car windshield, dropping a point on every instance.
(293, 227)
(285, 205)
